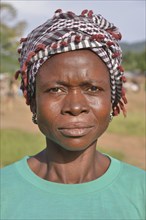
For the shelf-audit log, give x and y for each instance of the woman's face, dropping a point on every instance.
(73, 99)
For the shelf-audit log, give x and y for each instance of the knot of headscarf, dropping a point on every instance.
(68, 32)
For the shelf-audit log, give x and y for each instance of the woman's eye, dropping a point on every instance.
(55, 90)
(93, 89)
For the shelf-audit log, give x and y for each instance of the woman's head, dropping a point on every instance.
(68, 32)
(73, 99)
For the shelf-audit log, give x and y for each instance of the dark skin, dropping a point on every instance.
(73, 104)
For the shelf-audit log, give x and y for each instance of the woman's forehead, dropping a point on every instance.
(75, 65)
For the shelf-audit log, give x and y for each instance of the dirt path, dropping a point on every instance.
(19, 117)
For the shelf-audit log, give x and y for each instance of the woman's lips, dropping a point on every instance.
(75, 131)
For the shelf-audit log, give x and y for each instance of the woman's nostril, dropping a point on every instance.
(75, 105)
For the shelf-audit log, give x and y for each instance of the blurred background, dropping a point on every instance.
(125, 137)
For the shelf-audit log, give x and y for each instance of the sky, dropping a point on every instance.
(128, 15)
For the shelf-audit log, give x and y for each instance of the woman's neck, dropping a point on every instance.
(63, 166)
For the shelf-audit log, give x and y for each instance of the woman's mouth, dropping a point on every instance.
(75, 132)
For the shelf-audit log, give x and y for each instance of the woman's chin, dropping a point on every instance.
(77, 144)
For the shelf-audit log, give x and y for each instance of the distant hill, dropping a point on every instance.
(133, 47)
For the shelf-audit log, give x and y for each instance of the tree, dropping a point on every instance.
(10, 31)
(135, 61)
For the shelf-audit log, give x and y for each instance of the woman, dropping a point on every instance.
(73, 81)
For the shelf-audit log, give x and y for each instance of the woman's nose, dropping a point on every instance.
(75, 103)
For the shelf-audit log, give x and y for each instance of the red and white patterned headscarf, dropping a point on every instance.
(68, 32)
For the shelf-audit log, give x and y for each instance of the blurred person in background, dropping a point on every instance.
(72, 79)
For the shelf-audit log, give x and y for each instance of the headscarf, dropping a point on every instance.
(67, 31)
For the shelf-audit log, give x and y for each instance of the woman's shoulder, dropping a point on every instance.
(132, 174)
(10, 172)
(132, 170)
(8, 169)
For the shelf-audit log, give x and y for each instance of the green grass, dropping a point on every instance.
(133, 124)
(16, 144)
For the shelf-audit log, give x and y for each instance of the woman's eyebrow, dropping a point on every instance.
(90, 82)
(83, 83)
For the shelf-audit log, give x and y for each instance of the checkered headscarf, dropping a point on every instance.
(68, 32)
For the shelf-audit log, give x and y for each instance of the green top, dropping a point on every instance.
(118, 194)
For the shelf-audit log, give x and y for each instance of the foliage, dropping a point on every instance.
(8, 12)
(135, 47)
(9, 64)
(134, 61)
(10, 31)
